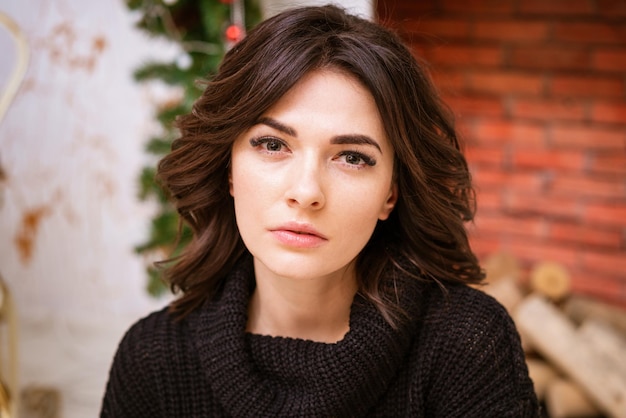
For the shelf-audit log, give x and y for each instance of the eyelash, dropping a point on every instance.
(257, 142)
(367, 160)
(264, 140)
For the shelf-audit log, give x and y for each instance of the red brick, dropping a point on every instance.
(488, 200)
(609, 60)
(511, 30)
(535, 252)
(481, 7)
(597, 285)
(554, 207)
(549, 160)
(606, 214)
(556, 7)
(587, 187)
(587, 86)
(466, 55)
(464, 128)
(581, 137)
(547, 110)
(475, 106)
(522, 134)
(498, 225)
(396, 9)
(611, 8)
(613, 262)
(449, 81)
(421, 51)
(484, 246)
(610, 112)
(490, 179)
(611, 164)
(550, 58)
(490, 156)
(586, 234)
(594, 33)
(422, 54)
(505, 83)
(437, 29)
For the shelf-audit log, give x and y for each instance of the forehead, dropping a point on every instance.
(332, 99)
(321, 84)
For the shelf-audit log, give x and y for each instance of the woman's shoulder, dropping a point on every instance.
(155, 348)
(155, 331)
(468, 343)
(454, 300)
(459, 316)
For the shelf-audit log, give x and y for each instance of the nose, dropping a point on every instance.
(305, 186)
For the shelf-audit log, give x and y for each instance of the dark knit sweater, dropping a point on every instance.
(459, 357)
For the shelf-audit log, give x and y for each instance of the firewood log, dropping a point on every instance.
(564, 399)
(505, 291)
(527, 344)
(551, 280)
(501, 265)
(580, 308)
(606, 340)
(542, 374)
(556, 338)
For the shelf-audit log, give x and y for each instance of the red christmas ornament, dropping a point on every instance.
(234, 33)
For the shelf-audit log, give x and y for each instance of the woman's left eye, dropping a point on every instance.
(268, 144)
(357, 159)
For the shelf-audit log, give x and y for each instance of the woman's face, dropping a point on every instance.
(312, 177)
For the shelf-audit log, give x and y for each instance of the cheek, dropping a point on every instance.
(251, 189)
(361, 212)
(238, 176)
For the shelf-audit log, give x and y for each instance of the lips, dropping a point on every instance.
(298, 235)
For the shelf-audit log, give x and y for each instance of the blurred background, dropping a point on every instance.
(538, 88)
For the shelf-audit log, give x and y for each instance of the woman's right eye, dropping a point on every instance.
(268, 144)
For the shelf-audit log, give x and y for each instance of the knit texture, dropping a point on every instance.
(460, 356)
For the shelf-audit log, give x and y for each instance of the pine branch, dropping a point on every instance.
(197, 26)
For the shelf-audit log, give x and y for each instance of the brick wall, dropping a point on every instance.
(539, 90)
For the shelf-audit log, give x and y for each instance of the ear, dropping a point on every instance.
(390, 203)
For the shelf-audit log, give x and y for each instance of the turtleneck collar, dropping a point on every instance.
(255, 375)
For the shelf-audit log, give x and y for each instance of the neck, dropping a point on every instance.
(315, 309)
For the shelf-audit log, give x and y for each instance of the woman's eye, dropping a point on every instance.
(268, 144)
(357, 159)
(353, 159)
(273, 145)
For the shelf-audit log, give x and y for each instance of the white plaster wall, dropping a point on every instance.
(364, 8)
(71, 146)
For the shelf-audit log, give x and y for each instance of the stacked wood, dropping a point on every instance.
(558, 340)
(501, 265)
(542, 375)
(580, 308)
(551, 280)
(565, 399)
(575, 346)
(502, 274)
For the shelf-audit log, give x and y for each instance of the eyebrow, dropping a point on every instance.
(273, 123)
(354, 139)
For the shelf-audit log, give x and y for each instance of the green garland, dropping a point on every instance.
(198, 26)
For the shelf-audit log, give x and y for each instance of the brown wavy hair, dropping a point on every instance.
(425, 233)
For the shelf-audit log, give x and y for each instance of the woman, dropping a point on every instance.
(328, 272)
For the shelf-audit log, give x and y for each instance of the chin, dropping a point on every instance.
(301, 267)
